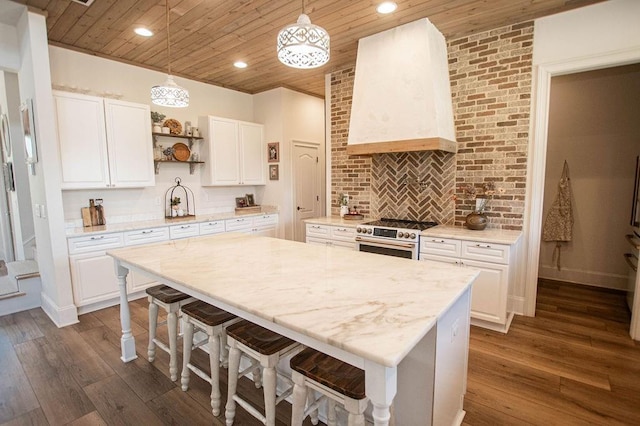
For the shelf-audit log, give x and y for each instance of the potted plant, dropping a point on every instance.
(157, 118)
(175, 207)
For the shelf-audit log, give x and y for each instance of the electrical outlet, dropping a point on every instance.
(454, 329)
(43, 211)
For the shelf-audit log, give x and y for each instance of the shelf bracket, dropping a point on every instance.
(156, 166)
(192, 166)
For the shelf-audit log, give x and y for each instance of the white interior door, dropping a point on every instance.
(306, 184)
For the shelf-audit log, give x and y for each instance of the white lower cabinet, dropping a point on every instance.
(93, 275)
(333, 236)
(490, 291)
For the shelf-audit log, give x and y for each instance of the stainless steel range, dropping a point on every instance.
(391, 237)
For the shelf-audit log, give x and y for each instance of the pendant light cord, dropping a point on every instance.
(168, 41)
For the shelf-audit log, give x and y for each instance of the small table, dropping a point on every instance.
(406, 323)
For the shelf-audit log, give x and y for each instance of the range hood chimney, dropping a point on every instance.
(401, 93)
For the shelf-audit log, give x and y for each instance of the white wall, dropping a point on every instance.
(593, 124)
(289, 116)
(103, 77)
(9, 47)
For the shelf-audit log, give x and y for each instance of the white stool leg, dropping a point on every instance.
(355, 408)
(224, 359)
(311, 397)
(153, 325)
(234, 364)
(214, 363)
(187, 340)
(172, 326)
(257, 379)
(331, 412)
(269, 389)
(299, 396)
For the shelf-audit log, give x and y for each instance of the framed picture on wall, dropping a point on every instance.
(274, 173)
(273, 152)
(28, 128)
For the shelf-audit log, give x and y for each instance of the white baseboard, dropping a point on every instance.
(578, 276)
(61, 316)
(517, 305)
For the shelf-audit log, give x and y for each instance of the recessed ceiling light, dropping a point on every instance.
(145, 32)
(240, 64)
(386, 7)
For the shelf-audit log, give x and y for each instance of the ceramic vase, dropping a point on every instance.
(476, 221)
(344, 210)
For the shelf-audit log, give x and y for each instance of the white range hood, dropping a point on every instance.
(401, 93)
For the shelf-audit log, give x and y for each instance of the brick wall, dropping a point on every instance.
(491, 87)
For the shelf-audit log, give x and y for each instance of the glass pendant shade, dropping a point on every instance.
(169, 94)
(303, 45)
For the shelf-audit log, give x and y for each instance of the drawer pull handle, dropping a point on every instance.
(341, 229)
(147, 232)
(98, 238)
(437, 241)
(483, 245)
(185, 227)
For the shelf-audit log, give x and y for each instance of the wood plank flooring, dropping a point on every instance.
(573, 364)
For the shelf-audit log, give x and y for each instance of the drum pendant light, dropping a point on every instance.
(169, 94)
(303, 45)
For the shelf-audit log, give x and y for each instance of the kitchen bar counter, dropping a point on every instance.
(132, 226)
(498, 236)
(386, 315)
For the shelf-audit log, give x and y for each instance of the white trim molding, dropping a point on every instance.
(61, 316)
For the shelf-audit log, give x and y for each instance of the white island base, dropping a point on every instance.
(405, 323)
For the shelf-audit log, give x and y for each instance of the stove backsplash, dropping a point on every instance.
(414, 186)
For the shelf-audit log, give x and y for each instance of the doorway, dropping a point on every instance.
(306, 185)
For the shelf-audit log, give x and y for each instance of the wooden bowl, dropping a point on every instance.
(181, 152)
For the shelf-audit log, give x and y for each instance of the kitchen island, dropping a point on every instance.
(405, 323)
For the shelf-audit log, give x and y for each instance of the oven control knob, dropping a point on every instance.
(413, 236)
(400, 234)
(369, 231)
(359, 230)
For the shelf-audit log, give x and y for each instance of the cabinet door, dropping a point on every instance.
(265, 232)
(184, 231)
(318, 231)
(252, 154)
(317, 241)
(94, 278)
(82, 141)
(239, 224)
(129, 144)
(223, 156)
(489, 291)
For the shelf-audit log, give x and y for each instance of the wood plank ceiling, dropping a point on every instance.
(208, 36)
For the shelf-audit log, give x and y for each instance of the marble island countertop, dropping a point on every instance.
(144, 224)
(379, 313)
(498, 236)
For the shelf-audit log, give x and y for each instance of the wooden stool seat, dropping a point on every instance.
(166, 294)
(213, 321)
(170, 300)
(261, 340)
(331, 372)
(264, 348)
(336, 381)
(206, 313)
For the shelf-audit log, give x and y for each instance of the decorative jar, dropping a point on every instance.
(476, 221)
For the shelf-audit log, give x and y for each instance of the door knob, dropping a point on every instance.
(299, 207)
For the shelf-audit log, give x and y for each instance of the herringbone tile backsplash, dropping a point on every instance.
(413, 185)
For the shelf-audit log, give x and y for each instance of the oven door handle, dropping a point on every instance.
(385, 243)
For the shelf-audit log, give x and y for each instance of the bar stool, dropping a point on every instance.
(264, 349)
(213, 321)
(337, 381)
(170, 300)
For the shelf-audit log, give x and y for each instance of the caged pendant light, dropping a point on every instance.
(169, 94)
(303, 45)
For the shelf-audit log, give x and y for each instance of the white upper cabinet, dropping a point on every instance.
(234, 152)
(104, 143)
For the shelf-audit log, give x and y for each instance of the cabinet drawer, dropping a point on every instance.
(440, 246)
(95, 243)
(146, 236)
(487, 252)
(343, 233)
(320, 231)
(212, 227)
(238, 224)
(184, 231)
(265, 220)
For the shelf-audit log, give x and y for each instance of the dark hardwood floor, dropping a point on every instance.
(574, 363)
